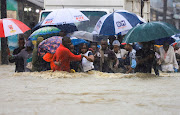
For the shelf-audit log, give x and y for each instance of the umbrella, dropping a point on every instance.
(68, 28)
(160, 41)
(117, 22)
(37, 26)
(150, 31)
(44, 32)
(64, 16)
(75, 41)
(83, 35)
(176, 37)
(9, 27)
(51, 44)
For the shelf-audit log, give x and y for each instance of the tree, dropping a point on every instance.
(4, 45)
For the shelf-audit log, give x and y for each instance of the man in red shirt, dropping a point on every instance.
(64, 56)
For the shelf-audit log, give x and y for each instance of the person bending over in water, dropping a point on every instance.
(64, 56)
(88, 59)
(106, 57)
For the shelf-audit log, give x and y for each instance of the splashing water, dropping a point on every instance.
(89, 93)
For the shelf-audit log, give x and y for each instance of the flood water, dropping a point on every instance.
(92, 93)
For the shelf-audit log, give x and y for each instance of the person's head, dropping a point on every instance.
(146, 45)
(62, 33)
(111, 39)
(156, 49)
(94, 46)
(71, 48)
(128, 47)
(165, 46)
(116, 45)
(21, 42)
(29, 46)
(104, 44)
(176, 47)
(83, 48)
(39, 40)
(66, 41)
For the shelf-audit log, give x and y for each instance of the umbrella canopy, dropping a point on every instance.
(9, 27)
(68, 28)
(150, 31)
(75, 41)
(162, 40)
(176, 37)
(64, 16)
(37, 26)
(117, 22)
(51, 44)
(44, 32)
(83, 35)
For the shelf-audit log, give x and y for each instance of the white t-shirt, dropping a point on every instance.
(121, 53)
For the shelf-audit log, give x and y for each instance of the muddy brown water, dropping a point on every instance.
(93, 93)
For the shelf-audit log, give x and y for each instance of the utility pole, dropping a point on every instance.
(4, 45)
(165, 10)
(142, 6)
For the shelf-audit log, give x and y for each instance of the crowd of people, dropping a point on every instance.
(107, 56)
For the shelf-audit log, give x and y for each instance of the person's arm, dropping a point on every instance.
(34, 57)
(90, 58)
(19, 55)
(175, 61)
(117, 63)
(133, 66)
(55, 59)
(113, 57)
(73, 57)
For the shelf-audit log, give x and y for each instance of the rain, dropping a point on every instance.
(100, 57)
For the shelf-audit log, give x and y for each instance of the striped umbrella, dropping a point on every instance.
(118, 22)
(9, 27)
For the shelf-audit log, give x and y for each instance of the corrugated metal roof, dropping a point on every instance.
(37, 2)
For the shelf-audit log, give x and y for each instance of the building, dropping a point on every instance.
(26, 11)
(173, 11)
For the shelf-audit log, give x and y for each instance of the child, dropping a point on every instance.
(88, 59)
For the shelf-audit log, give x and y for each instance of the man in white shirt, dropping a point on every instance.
(168, 58)
(120, 53)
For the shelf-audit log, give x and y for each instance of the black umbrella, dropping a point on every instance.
(68, 28)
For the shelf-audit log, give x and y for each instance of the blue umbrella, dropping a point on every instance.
(176, 37)
(117, 22)
(76, 41)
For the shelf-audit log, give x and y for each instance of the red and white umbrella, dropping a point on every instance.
(9, 27)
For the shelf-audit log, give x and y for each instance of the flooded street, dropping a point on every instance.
(92, 93)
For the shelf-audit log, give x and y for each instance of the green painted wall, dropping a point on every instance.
(12, 5)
